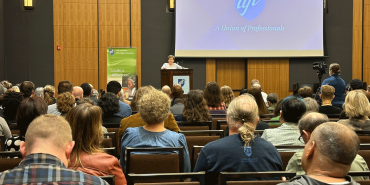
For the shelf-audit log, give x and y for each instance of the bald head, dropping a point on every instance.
(336, 142)
(78, 92)
(166, 89)
(311, 120)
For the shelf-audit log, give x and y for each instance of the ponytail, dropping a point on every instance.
(246, 133)
(47, 98)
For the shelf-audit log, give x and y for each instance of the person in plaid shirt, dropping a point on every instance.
(46, 152)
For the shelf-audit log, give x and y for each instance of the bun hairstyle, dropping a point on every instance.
(243, 109)
(335, 67)
(48, 94)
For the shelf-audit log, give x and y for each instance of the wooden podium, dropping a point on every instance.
(168, 74)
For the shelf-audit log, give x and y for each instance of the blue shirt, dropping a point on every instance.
(139, 137)
(339, 86)
(229, 155)
(42, 168)
(125, 110)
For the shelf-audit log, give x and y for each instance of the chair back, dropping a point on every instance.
(219, 133)
(272, 182)
(2, 143)
(199, 176)
(109, 179)
(110, 151)
(6, 154)
(154, 160)
(186, 125)
(214, 122)
(285, 157)
(106, 143)
(116, 142)
(112, 136)
(194, 155)
(9, 163)
(224, 176)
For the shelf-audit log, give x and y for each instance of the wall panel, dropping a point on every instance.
(231, 72)
(273, 75)
(366, 41)
(357, 49)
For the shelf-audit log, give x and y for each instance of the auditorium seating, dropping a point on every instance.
(109, 179)
(2, 143)
(110, 151)
(9, 163)
(149, 160)
(194, 155)
(165, 177)
(224, 176)
(118, 140)
(185, 125)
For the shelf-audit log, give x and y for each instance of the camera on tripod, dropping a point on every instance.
(320, 66)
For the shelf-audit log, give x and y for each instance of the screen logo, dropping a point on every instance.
(250, 9)
(181, 82)
(111, 51)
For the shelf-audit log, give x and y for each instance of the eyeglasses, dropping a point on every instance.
(300, 139)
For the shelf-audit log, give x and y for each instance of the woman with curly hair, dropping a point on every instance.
(87, 156)
(195, 108)
(65, 102)
(49, 92)
(213, 97)
(227, 95)
(154, 108)
(109, 103)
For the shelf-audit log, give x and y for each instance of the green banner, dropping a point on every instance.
(121, 65)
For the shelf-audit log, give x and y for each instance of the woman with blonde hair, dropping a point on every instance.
(65, 102)
(49, 92)
(227, 94)
(357, 108)
(87, 156)
(240, 151)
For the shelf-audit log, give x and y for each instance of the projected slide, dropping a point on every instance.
(249, 28)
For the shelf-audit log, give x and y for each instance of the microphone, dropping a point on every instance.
(182, 62)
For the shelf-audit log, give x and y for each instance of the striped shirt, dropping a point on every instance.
(46, 169)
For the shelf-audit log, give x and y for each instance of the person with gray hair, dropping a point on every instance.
(306, 126)
(39, 92)
(328, 155)
(241, 151)
(2, 90)
(131, 84)
(272, 100)
(167, 90)
(95, 96)
(311, 105)
(171, 64)
(78, 92)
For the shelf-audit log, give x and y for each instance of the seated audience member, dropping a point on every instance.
(39, 92)
(292, 110)
(167, 90)
(95, 96)
(78, 93)
(154, 108)
(46, 153)
(368, 90)
(178, 107)
(115, 88)
(28, 110)
(109, 104)
(277, 110)
(65, 102)
(327, 95)
(256, 84)
(87, 90)
(85, 100)
(176, 93)
(227, 94)
(213, 97)
(15, 88)
(311, 105)
(131, 87)
(305, 92)
(4, 129)
(243, 91)
(327, 156)
(256, 93)
(272, 100)
(306, 126)
(356, 84)
(2, 91)
(136, 120)
(27, 88)
(10, 102)
(88, 157)
(63, 86)
(6, 84)
(195, 108)
(357, 108)
(49, 92)
(236, 152)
